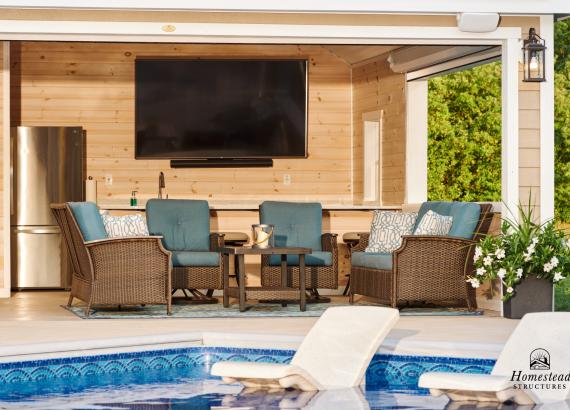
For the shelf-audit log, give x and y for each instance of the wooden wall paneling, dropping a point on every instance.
(92, 85)
(376, 87)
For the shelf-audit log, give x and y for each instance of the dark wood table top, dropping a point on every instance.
(248, 250)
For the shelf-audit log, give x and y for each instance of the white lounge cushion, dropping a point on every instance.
(273, 375)
(387, 229)
(548, 331)
(334, 355)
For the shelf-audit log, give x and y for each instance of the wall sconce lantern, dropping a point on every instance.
(534, 51)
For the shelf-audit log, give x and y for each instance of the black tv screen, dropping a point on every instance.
(198, 108)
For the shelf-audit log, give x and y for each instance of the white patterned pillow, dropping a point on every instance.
(387, 230)
(433, 223)
(125, 226)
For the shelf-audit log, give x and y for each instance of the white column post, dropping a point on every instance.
(510, 128)
(416, 141)
(6, 188)
(547, 123)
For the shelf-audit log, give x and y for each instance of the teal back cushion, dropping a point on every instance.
(465, 216)
(183, 224)
(296, 224)
(89, 220)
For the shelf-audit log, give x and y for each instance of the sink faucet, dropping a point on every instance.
(161, 184)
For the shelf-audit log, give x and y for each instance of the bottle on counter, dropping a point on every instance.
(134, 198)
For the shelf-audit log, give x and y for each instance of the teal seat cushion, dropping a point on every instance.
(465, 216)
(296, 224)
(183, 224)
(317, 258)
(371, 260)
(187, 258)
(89, 220)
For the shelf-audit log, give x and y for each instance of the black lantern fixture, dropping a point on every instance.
(534, 51)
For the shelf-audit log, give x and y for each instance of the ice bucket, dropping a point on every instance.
(262, 236)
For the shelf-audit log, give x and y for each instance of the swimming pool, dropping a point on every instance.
(179, 378)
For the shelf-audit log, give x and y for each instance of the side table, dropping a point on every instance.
(351, 239)
(284, 292)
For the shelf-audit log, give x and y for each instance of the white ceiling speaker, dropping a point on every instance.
(478, 22)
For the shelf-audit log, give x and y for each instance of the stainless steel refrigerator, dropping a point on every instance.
(47, 167)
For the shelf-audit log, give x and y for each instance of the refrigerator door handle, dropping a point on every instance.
(34, 229)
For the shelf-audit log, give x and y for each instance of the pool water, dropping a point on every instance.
(179, 379)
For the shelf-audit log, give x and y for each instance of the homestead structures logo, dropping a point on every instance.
(540, 376)
(539, 359)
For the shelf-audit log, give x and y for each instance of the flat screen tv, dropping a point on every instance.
(198, 109)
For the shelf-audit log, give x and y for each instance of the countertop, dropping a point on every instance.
(249, 206)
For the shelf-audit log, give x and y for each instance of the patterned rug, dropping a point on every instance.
(257, 310)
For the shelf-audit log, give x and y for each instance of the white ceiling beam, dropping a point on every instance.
(303, 6)
(243, 33)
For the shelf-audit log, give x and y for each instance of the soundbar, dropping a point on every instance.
(222, 163)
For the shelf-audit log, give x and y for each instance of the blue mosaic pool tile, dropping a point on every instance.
(399, 372)
(387, 372)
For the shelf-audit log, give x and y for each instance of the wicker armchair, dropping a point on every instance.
(430, 269)
(300, 224)
(117, 271)
(185, 228)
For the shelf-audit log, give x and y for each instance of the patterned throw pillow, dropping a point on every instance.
(124, 226)
(434, 224)
(387, 230)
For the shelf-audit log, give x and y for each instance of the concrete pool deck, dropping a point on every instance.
(34, 323)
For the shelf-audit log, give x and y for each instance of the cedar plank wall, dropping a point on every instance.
(92, 85)
(375, 87)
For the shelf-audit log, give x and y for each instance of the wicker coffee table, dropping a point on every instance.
(282, 293)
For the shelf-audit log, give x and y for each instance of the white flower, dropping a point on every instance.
(487, 261)
(474, 282)
(548, 267)
(478, 253)
(500, 253)
(502, 273)
(534, 241)
(558, 276)
(554, 261)
(481, 271)
(510, 290)
(526, 257)
(519, 273)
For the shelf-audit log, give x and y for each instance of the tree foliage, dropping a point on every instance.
(562, 120)
(464, 135)
(464, 132)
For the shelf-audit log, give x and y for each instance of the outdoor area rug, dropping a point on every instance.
(256, 310)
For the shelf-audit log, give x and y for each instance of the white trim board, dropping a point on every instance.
(547, 123)
(416, 177)
(5, 291)
(302, 6)
(245, 33)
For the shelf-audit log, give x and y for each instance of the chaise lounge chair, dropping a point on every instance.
(334, 354)
(538, 347)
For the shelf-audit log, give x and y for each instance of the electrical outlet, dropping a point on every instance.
(286, 179)
(108, 179)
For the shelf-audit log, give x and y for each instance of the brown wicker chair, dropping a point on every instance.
(117, 271)
(426, 269)
(185, 228)
(286, 217)
(192, 278)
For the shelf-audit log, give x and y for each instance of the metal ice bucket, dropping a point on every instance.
(262, 236)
